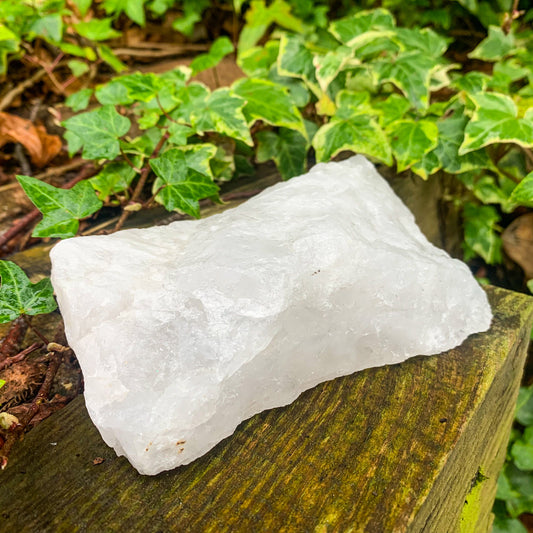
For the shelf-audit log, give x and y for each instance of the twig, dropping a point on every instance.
(509, 17)
(55, 361)
(56, 171)
(239, 195)
(33, 215)
(23, 161)
(35, 330)
(21, 355)
(142, 180)
(7, 100)
(11, 343)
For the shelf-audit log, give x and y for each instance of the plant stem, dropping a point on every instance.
(142, 180)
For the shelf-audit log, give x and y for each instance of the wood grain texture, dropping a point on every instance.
(397, 448)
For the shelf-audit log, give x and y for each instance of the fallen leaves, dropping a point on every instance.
(41, 146)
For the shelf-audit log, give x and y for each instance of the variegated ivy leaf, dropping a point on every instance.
(411, 72)
(496, 46)
(392, 109)
(270, 103)
(363, 27)
(411, 140)
(523, 192)
(255, 62)
(328, 66)
(471, 82)
(222, 112)
(184, 177)
(190, 97)
(422, 40)
(295, 60)
(495, 120)
(360, 134)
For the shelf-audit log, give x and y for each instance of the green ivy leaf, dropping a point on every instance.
(62, 209)
(524, 406)
(287, 148)
(516, 488)
(140, 87)
(495, 121)
(270, 103)
(78, 68)
(191, 98)
(18, 296)
(260, 17)
(98, 132)
(184, 177)
(222, 112)
(451, 136)
(134, 9)
(83, 6)
(523, 192)
(363, 27)
(495, 46)
(360, 134)
(50, 27)
(80, 100)
(411, 140)
(107, 55)
(220, 48)
(480, 235)
(114, 178)
(411, 72)
(97, 29)
(9, 43)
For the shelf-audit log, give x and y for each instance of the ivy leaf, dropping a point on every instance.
(18, 296)
(480, 235)
(192, 13)
(522, 450)
(359, 133)
(184, 177)
(50, 27)
(260, 17)
(423, 40)
(523, 192)
(516, 488)
(363, 27)
(295, 60)
(451, 136)
(80, 100)
(97, 29)
(329, 65)
(140, 87)
(288, 149)
(524, 406)
(495, 121)
(98, 132)
(411, 140)
(471, 82)
(255, 62)
(220, 48)
(270, 103)
(222, 112)
(107, 55)
(62, 209)
(191, 98)
(133, 8)
(392, 109)
(411, 72)
(114, 178)
(495, 46)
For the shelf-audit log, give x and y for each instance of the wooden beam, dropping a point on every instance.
(397, 448)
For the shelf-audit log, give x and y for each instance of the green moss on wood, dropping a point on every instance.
(388, 449)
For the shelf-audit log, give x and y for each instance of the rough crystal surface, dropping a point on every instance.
(185, 330)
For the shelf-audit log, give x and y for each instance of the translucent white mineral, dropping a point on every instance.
(184, 331)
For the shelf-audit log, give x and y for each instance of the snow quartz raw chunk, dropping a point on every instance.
(183, 331)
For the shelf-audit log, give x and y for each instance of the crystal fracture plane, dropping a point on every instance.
(183, 331)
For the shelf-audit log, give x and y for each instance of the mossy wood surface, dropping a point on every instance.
(409, 447)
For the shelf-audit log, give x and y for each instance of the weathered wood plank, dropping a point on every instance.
(398, 448)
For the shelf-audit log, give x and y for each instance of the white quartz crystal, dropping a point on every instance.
(185, 330)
